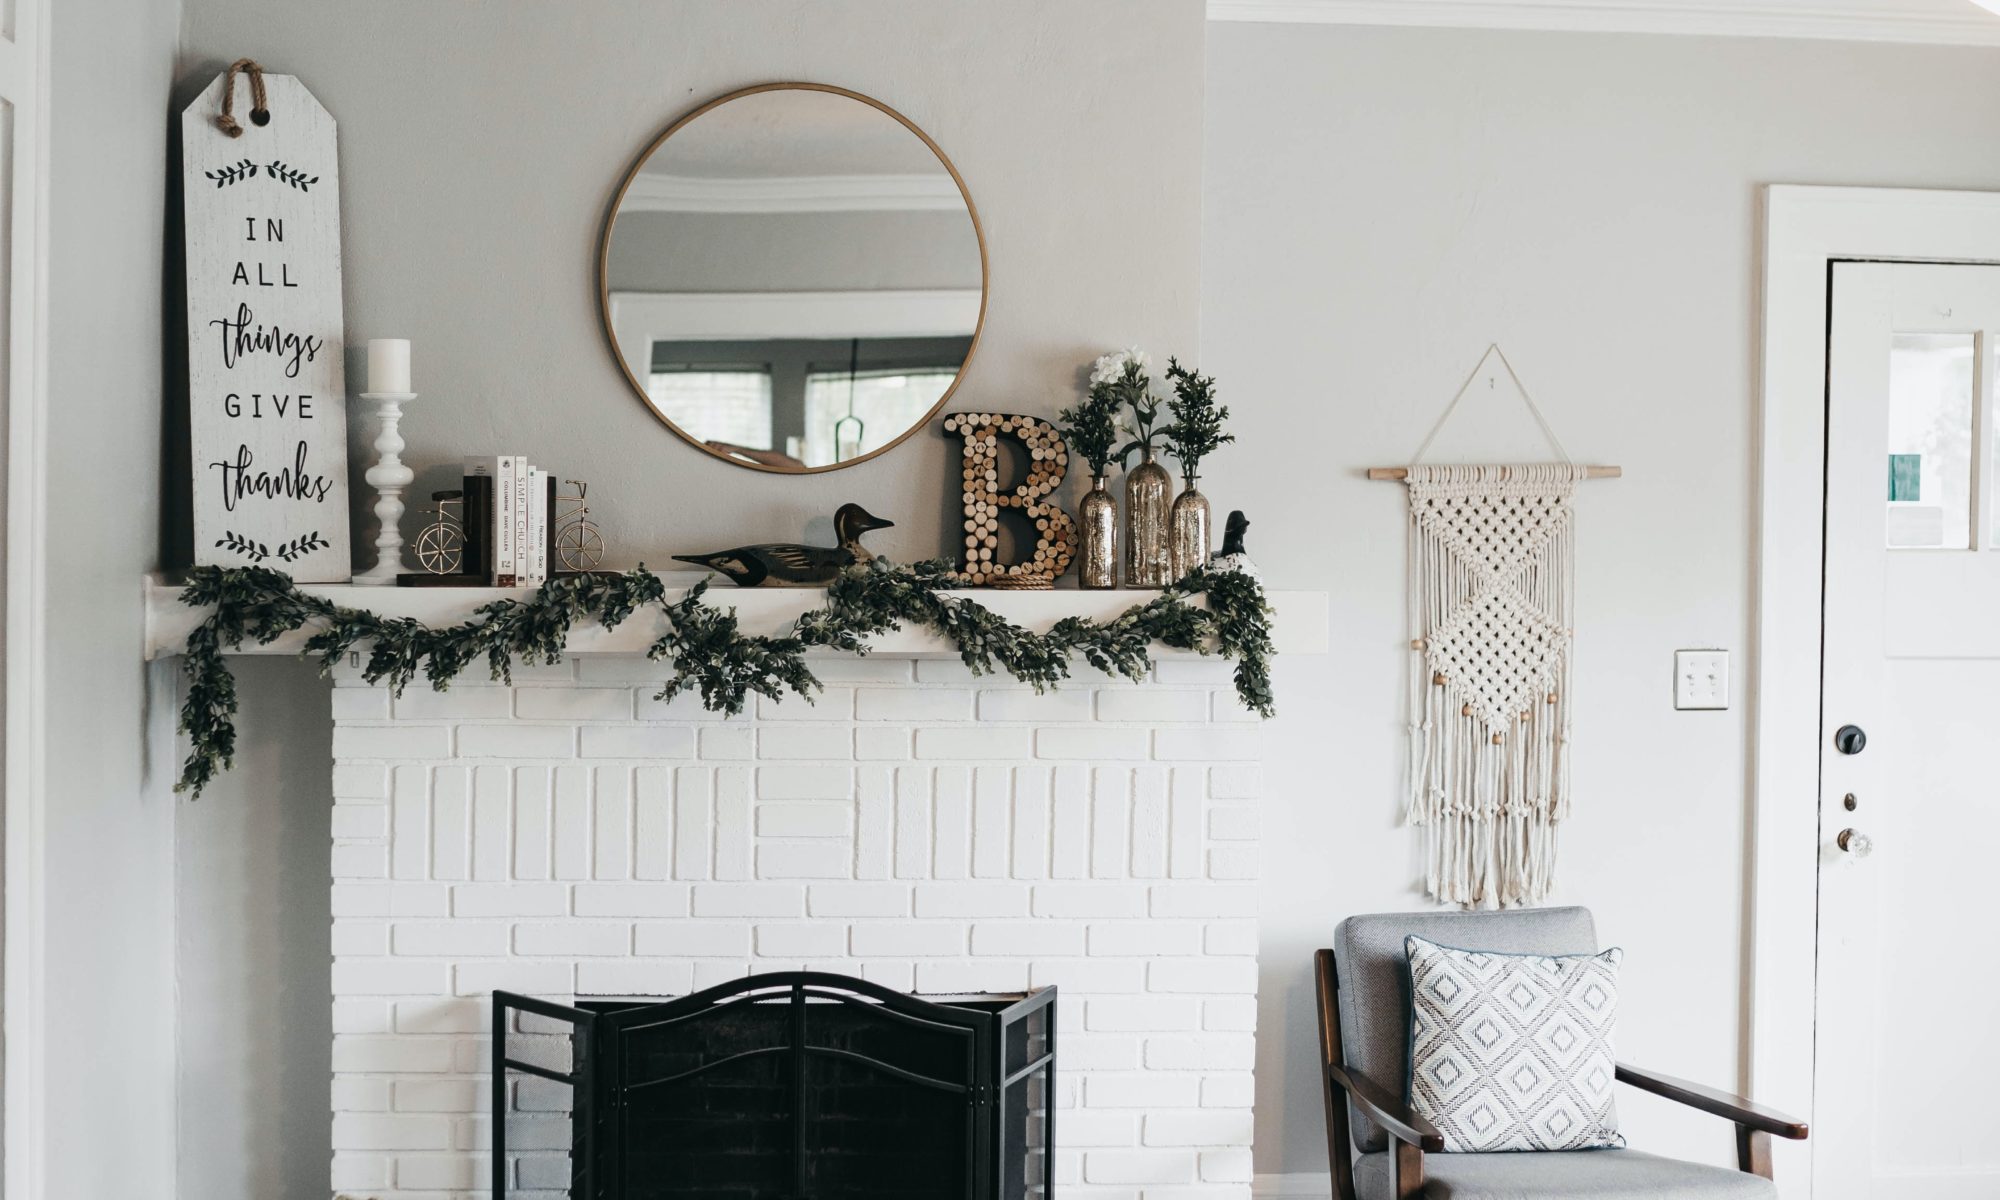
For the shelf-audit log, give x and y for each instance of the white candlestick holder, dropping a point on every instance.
(388, 477)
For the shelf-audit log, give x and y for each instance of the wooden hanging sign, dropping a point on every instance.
(266, 382)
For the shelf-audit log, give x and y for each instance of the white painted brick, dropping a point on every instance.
(992, 795)
(728, 743)
(516, 741)
(572, 939)
(411, 1055)
(732, 823)
(635, 977)
(369, 1131)
(805, 783)
(534, 979)
(449, 939)
(1146, 1089)
(1227, 1166)
(947, 670)
(1110, 805)
(390, 900)
(1069, 841)
(913, 822)
(1089, 743)
(1211, 672)
(684, 708)
(653, 743)
(1235, 1090)
(810, 819)
(1090, 976)
(533, 823)
(573, 704)
(874, 823)
(652, 821)
(451, 823)
(1153, 705)
(832, 704)
(694, 803)
(1139, 1166)
(1084, 1128)
(631, 900)
(817, 859)
(1198, 900)
(361, 821)
(1015, 704)
(1139, 1014)
(803, 741)
(908, 940)
(1233, 862)
(360, 1093)
(461, 702)
(391, 741)
(880, 743)
(749, 900)
(1213, 742)
(912, 705)
(387, 977)
(1078, 900)
(620, 668)
(365, 860)
(361, 703)
(572, 823)
(611, 855)
(360, 939)
(1149, 823)
(1098, 1051)
(902, 976)
(492, 813)
(509, 900)
(983, 743)
(951, 823)
(1029, 858)
(1235, 823)
(1027, 939)
(1229, 1014)
(1198, 1129)
(1174, 1052)
(800, 939)
(948, 976)
(360, 1172)
(1184, 822)
(437, 1172)
(1226, 975)
(360, 781)
(367, 1015)
(1230, 937)
(432, 1015)
(1145, 939)
(693, 939)
(1235, 781)
(971, 900)
(858, 900)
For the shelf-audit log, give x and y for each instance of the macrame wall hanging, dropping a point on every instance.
(1492, 593)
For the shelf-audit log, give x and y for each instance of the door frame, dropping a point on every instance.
(1807, 230)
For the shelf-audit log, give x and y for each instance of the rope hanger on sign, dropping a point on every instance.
(1492, 596)
(260, 116)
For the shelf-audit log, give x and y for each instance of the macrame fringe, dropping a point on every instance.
(1492, 596)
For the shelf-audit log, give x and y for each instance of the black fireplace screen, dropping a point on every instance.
(792, 1086)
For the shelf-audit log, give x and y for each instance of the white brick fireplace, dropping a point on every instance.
(919, 827)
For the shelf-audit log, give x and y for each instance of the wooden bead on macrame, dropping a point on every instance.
(1438, 678)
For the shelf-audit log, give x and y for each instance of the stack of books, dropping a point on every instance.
(509, 520)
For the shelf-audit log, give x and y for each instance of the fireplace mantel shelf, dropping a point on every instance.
(1299, 623)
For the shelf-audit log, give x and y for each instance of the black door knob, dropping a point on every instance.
(1849, 739)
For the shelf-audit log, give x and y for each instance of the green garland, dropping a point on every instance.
(709, 654)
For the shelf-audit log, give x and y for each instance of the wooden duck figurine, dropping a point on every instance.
(790, 564)
(1232, 556)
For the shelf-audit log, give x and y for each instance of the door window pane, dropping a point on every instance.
(850, 415)
(1929, 466)
(727, 406)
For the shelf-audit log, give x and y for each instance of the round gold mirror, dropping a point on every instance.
(793, 277)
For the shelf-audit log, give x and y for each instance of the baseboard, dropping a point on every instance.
(1292, 1187)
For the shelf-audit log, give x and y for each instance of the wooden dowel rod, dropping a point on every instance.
(1404, 472)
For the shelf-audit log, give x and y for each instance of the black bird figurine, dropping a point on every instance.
(1232, 556)
(790, 564)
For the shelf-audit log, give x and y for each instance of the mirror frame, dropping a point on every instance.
(604, 274)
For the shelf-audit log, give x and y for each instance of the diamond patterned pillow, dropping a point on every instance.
(1513, 1051)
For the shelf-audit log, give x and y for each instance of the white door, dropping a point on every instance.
(1907, 1044)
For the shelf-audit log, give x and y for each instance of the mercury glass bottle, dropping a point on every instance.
(1097, 536)
(1188, 535)
(1148, 493)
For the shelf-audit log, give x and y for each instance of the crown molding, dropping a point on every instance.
(1712, 17)
(793, 194)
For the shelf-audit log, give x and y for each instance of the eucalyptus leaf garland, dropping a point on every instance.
(708, 652)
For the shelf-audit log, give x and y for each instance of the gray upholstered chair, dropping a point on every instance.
(1377, 1145)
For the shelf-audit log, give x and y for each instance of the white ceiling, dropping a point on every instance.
(1951, 22)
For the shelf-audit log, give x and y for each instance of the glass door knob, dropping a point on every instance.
(1855, 842)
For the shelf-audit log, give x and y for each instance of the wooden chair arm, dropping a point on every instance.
(1743, 1112)
(1385, 1110)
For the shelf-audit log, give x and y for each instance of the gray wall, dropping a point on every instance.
(480, 144)
(107, 840)
(1379, 205)
(793, 252)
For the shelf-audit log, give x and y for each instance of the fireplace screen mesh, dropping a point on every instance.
(793, 1086)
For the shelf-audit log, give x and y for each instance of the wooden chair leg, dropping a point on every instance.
(1753, 1151)
(1406, 1170)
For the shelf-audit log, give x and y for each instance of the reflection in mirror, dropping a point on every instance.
(793, 278)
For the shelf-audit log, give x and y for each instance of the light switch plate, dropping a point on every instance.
(1701, 679)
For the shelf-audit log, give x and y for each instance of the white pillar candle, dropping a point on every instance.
(388, 365)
